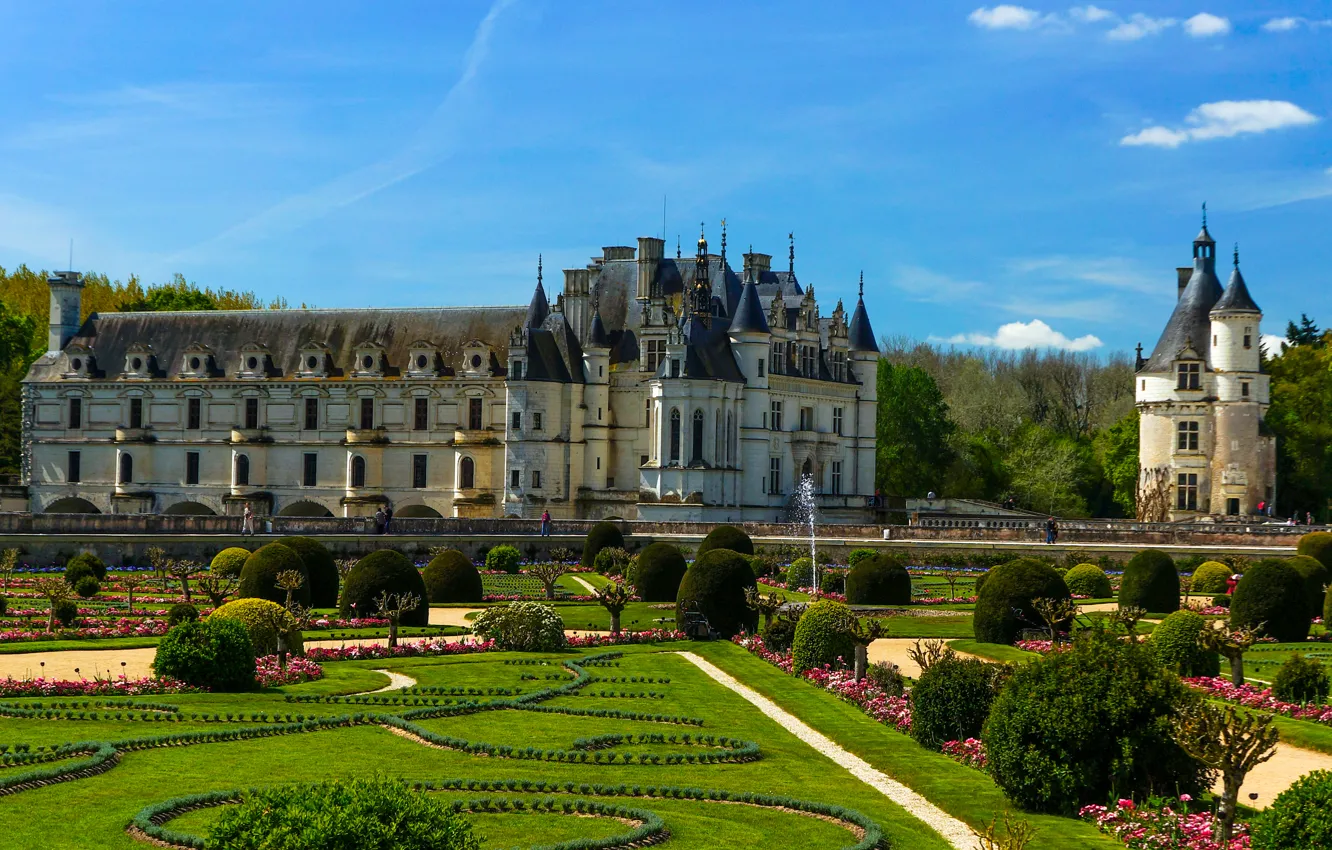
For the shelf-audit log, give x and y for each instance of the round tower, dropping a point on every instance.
(596, 397)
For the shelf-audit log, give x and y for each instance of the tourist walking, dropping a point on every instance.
(545, 523)
(1051, 530)
(381, 521)
(388, 519)
(247, 522)
(1308, 518)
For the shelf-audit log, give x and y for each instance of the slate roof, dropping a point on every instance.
(750, 317)
(596, 334)
(708, 351)
(1236, 298)
(860, 335)
(539, 309)
(284, 333)
(1190, 319)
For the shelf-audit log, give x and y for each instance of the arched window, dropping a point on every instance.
(466, 474)
(358, 472)
(807, 469)
(126, 468)
(242, 470)
(675, 435)
(696, 456)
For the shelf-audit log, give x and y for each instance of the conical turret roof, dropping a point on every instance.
(749, 316)
(1236, 298)
(860, 334)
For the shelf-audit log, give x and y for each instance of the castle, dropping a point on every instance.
(1202, 395)
(652, 387)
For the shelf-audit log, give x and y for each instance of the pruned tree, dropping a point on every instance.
(1126, 617)
(767, 605)
(1055, 612)
(1231, 643)
(865, 632)
(1017, 834)
(1231, 742)
(56, 590)
(279, 621)
(217, 587)
(8, 563)
(548, 574)
(182, 570)
(131, 581)
(951, 576)
(290, 581)
(1154, 494)
(345, 564)
(614, 598)
(563, 555)
(391, 606)
(926, 653)
(157, 558)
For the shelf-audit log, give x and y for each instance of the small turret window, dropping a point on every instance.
(1248, 337)
(1244, 389)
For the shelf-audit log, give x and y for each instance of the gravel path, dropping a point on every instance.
(591, 591)
(452, 616)
(954, 831)
(1278, 773)
(894, 651)
(397, 682)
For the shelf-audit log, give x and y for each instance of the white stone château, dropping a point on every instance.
(654, 388)
(1202, 396)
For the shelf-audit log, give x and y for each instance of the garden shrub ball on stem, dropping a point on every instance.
(451, 577)
(715, 584)
(602, 535)
(385, 570)
(259, 575)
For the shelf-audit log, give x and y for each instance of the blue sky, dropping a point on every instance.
(989, 168)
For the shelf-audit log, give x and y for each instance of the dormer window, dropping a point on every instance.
(369, 361)
(197, 361)
(422, 360)
(1248, 337)
(139, 361)
(476, 360)
(254, 361)
(314, 361)
(1189, 376)
(79, 361)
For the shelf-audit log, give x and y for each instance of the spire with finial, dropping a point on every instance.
(539, 309)
(702, 293)
(860, 334)
(791, 254)
(677, 246)
(1204, 213)
(723, 245)
(538, 269)
(1236, 255)
(862, 283)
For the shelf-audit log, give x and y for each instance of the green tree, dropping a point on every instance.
(1301, 418)
(1117, 449)
(913, 431)
(1306, 333)
(1049, 471)
(176, 295)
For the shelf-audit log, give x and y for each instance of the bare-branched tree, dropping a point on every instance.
(391, 606)
(56, 590)
(216, 586)
(1055, 613)
(132, 581)
(614, 598)
(548, 574)
(867, 630)
(926, 653)
(157, 558)
(1126, 617)
(1017, 834)
(182, 570)
(1153, 494)
(345, 564)
(290, 581)
(1231, 643)
(767, 605)
(1231, 742)
(8, 563)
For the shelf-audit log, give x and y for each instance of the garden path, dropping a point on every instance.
(452, 616)
(397, 681)
(954, 831)
(89, 664)
(894, 651)
(591, 591)
(1278, 773)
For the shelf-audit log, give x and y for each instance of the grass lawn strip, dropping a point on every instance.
(953, 830)
(397, 681)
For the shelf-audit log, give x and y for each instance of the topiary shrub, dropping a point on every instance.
(87, 587)
(320, 569)
(823, 636)
(181, 612)
(833, 580)
(1315, 577)
(1300, 818)
(879, 580)
(262, 621)
(951, 700)
(214, 654)
(451, 577)
(1273, 594)
(1221, 600)
(66, 612)
(1089, 724)
(613, 561)
(1088, 580)
(858, 555)
(504, 559)
(1150, 582)
(521, 626)
(1174, 642)
(1317, 544)
(603, 534)
(800, 574)
(980, 581)
(258, 579)
(659, 572)
(726, 537)
(381, 813)
(385, 570)
(230, 561)
(1301, 679)
(1210, 577)
(1004, 603)
(76, 572)
(779, 634)
(95, 566)
(715, 584)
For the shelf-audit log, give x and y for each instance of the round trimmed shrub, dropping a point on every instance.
(230, 561)
(716, 583)
(858, 555)
(66, 612)
(1174, 642)
(382, 813)
(1079, 726)
(658, 574)
(504, 559)
(1150, 582)
(800, 574)
(726, 537)
(1317, 544)
(1315, 577)
(1210, 577)
(77, 572)
(980, 581)
(823, 636)
(385, 570)
(182, 612)
(262, 620)
(878, 580)
(1221, 600)
(87, 587)
(213, 654)
(613, 561)
(1088, 580)
(1004, 604)
(603, 534)
(951, 700)
(321, 571)
(522, 626)
(1300, 818)
(258, 578)
(1273, 594)
(1301, 679)
(833, 580)
(95, 566)
(451, 577)
(779, 634)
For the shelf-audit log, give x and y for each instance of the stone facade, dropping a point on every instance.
(1202, 396)
(652, 388)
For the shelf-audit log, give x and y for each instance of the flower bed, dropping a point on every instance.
(269, 673)
(404, 650)
(535, 597)
(970, 752)
(118, 687)
(121, 628)
(1249, 696)
(625, 638)
(1042, 646)
(1154, 827)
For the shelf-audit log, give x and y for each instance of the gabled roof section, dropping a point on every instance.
(708, 352)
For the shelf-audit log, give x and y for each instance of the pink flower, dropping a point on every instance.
(1126, 804)
(1185, 798)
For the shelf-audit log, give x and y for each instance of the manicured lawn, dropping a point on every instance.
(18, 647)
(943, 626)
(993, 651)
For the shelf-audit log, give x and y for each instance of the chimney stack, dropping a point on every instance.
(1183, 273)
(66, 309)
(650, 250)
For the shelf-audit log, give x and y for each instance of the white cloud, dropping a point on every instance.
(1204, 25)
(1139, 26)
(1005, 17)
(1275, 344)
(1090, 14)
(1282, 24)
(1018, 335)
(1225, 119)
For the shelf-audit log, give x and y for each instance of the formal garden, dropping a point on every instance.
(632, 695)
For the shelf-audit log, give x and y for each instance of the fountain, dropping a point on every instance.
(805, 511)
